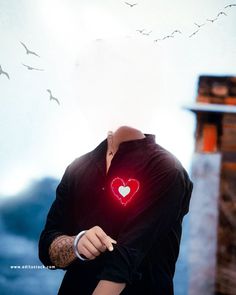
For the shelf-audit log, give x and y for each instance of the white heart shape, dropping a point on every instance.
(124, 190)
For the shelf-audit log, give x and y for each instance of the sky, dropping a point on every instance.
(105, 74)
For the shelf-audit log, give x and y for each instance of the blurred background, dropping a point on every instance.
(72, 70)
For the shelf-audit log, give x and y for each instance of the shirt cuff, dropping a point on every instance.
(118, 267)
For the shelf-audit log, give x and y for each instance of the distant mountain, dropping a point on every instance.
(22, 219)
(25, 214)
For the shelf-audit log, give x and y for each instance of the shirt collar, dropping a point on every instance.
(149, 139)
(99, 153)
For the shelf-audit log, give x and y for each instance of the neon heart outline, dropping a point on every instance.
(132, 183)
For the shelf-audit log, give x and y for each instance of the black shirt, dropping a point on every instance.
(147, 227)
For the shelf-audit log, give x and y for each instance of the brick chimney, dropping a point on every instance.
(212, 245)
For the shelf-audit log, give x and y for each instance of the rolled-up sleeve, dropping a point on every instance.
(152, 217)
(55, 222)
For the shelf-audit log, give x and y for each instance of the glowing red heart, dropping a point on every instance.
(124, 191)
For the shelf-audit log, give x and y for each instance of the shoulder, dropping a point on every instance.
(160, 159)
(164, 167)
(78, 164)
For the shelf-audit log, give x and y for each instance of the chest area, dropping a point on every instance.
(107, 199)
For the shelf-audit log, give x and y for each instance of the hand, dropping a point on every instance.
(94, 242)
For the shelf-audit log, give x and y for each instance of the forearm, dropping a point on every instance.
(108, 288)
(61, 251)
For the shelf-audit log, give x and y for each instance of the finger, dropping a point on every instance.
(104, 238)
(99, 231)
(87, 254)
(96, 242)
(107, 242)
(90, 247)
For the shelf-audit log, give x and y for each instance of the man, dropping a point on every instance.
(115, 224)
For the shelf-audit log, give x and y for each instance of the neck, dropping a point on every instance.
(126, 133)
(122, 134)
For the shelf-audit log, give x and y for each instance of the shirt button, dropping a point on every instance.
(103, 188)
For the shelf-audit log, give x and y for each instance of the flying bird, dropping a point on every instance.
(156, 40)
(212, 20)
(230, 5)
(130, 5)
(221, 13)
(31, 68)
(140, 31)
(52, 97)
(29, 51)
(176, 31)
(168, 36)
(194, 33)
(147, 34)
(199, 26)
(4, 73)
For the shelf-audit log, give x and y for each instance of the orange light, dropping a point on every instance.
(209, 138)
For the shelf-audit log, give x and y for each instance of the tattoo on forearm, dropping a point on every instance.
(61, 251)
